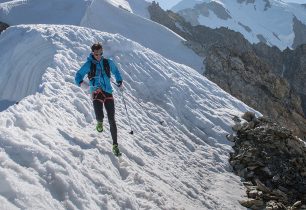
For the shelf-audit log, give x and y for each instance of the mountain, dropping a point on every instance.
(273, 22)
(264, 77)
(127, 18)
(52, 157)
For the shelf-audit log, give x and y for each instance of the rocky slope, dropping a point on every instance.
(259, 75)
(271, 161)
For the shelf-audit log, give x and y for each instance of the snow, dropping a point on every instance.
(52, 158)
(37, 11)
(140, 7)
(275, 20)
(127, 18)
(148, 33)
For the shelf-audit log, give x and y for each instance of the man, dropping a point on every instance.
(99, 72)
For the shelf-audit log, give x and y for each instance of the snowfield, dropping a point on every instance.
(51, 157)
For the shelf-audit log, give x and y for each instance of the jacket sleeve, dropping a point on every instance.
(79, 76)
(114, 70)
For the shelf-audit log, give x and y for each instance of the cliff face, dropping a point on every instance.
(295, 71)
(248, 78)
(265, 78)
(299, 30)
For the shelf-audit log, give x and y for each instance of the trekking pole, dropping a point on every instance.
(143, 109)
(137, 101)
(123, 99)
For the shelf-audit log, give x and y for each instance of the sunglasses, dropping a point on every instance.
(97, 54)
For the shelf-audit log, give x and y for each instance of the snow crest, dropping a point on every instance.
(52, 158)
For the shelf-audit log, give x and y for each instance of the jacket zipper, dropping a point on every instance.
(102, 76)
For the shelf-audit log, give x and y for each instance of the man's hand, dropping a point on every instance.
(84, 86)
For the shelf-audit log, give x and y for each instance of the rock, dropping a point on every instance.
(248, 184)
(230, 137)
(267, 171)
(261, 186)
(3, 26)
(297, 204)
(252, 168)
(248, 116)
(253, 194)
(251, 202)
(236, 119)
(237, 127)
(283, 189)
(279, 193)
(303, 207)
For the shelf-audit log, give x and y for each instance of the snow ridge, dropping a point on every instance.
(52, 158)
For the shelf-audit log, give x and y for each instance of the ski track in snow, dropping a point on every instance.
(52, 158)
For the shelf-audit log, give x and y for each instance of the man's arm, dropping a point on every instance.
(79, 76)
(115, 71)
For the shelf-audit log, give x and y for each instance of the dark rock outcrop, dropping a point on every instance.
(295, 71)
(3, 26)
(271, 162)
(300, 33)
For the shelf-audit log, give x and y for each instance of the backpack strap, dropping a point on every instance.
(93, 67)
(106, 67)
(92, 73)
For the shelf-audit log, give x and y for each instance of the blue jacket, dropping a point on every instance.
(101, 80)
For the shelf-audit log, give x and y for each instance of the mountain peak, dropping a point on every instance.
(267, 21)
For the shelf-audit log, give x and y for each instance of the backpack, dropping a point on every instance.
(92, 73)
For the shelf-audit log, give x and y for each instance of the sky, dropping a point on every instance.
(167, 4)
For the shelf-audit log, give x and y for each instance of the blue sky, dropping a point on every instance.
(167, 4)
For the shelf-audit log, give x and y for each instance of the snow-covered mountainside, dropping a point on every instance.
(52, 158)
(127, 18)
(271, 21)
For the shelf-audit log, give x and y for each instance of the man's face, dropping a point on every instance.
(97, 54)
